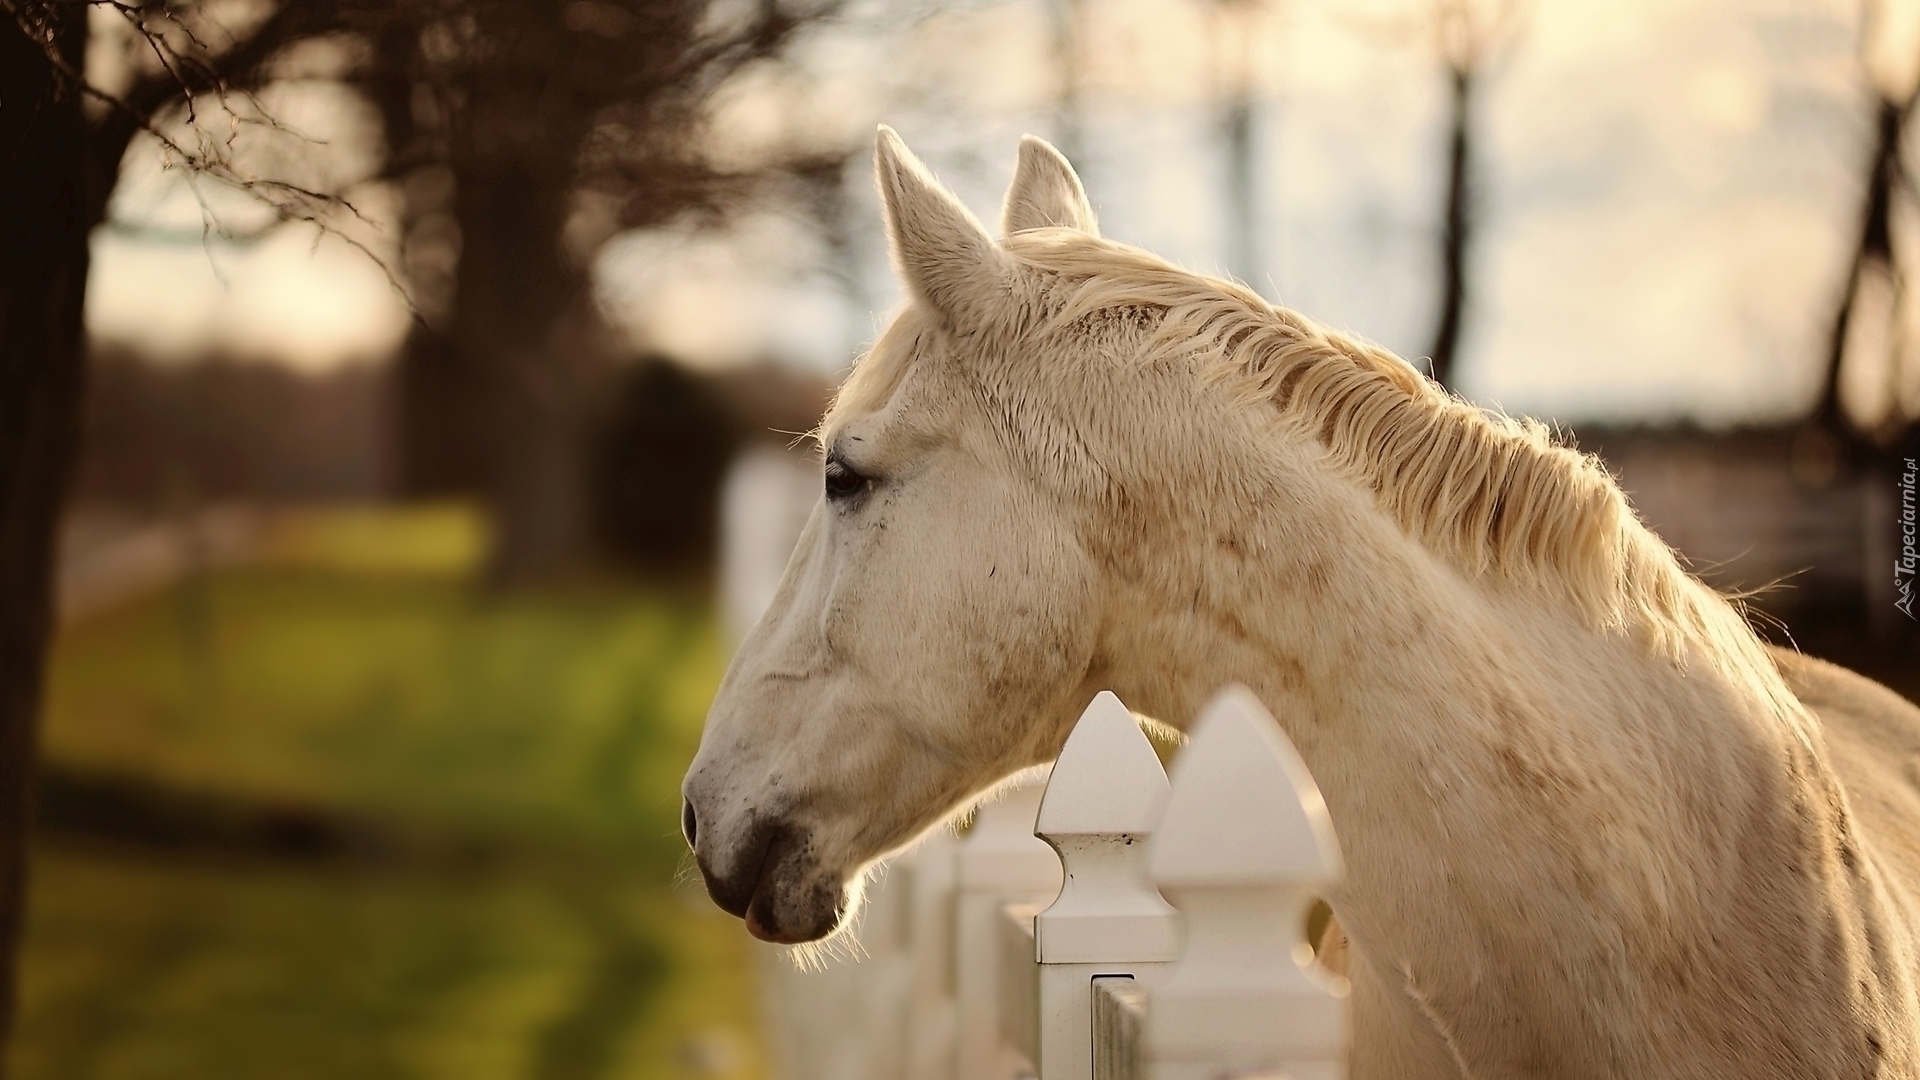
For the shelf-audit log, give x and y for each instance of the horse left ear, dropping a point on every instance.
(941, 249)
(1046, 192)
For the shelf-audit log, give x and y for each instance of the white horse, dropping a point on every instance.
(1593, 827)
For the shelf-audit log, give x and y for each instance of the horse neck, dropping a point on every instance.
(1347, 627)
(1516, 791)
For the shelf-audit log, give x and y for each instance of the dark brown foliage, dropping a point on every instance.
(664, 447)
(229, 430)
(657, 469)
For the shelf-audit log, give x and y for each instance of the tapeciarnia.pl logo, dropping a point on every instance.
(1909, 560)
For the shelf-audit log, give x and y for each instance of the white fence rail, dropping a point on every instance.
(1097, 923)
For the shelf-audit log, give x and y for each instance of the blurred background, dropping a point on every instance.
(442, 356)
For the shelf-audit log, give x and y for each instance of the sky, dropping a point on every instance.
(1667, 191)
(186, 268)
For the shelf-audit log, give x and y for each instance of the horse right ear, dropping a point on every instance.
(940, 248)
(1046, 192)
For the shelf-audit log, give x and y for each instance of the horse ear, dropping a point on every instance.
(1045, 192)
(940, 248)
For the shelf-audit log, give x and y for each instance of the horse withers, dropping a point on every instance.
(1592, 825)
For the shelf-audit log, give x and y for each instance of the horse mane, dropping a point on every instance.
(1484, 491)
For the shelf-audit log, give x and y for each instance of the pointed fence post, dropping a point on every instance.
(999, 863)
(1103, 801)
(1244, 848)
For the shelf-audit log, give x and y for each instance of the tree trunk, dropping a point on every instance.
(1243, 247)
(1456, 229)
(1875, 245)
(46, 209)
(518, 322)
(496, 380)
(440, 437)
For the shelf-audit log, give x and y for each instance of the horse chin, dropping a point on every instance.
(794, 899)
(773, 879)
(790, 912)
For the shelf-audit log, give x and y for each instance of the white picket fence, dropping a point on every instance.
(1176, 949)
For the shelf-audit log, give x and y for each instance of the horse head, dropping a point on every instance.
(937, 626)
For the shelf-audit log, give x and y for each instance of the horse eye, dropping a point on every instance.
(842, 482)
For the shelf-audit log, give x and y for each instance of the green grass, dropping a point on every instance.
(356, 671)
(142, 968)
(565, 716)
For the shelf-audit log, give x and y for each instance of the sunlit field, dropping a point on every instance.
(337, 812)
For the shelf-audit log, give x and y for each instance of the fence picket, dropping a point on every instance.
(931, 1014)
(1243, 850)
(999, 862)
(1102, 803)
(1119, 1010)
(1019, 993)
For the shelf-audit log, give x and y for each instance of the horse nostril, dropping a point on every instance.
(689, 827)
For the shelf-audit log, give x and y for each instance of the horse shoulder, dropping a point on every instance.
(1873, 738)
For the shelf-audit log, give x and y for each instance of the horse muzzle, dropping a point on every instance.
(771, 878)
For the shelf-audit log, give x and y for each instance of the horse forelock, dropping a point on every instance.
(878, 372)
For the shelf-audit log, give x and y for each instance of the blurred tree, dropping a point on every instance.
(61, 142)
(1234, 26)
(1873, 313)
(657, 467)
(525, 133)
(229, 428)
(60, 159)
(1471, 39)
(44, 198)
